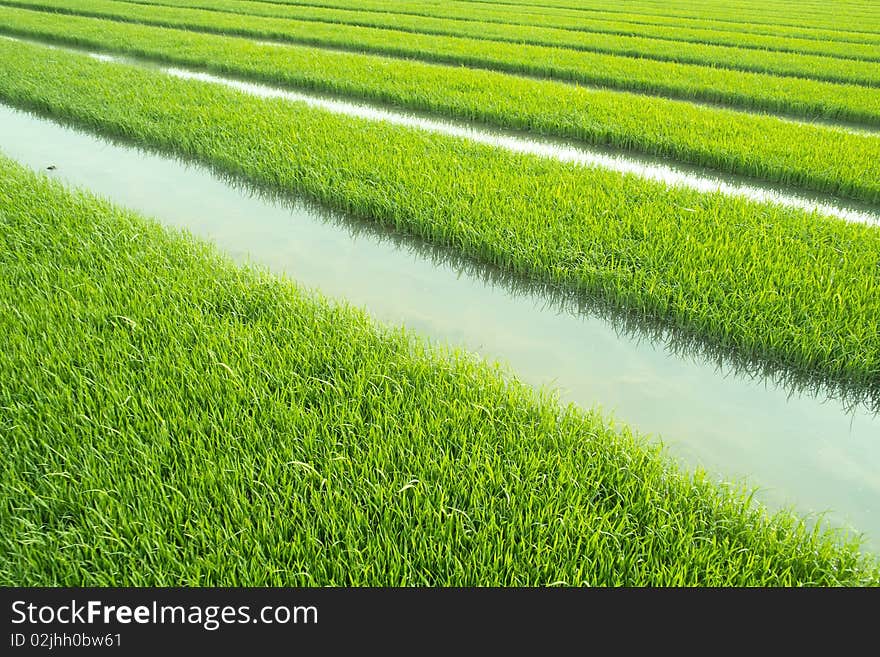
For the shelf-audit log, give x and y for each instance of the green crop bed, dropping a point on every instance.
(848, 16)
(170, 419)
(765, 281)
(766, 148)
(763, 91)
(475, 13)
(794, 64)
(576, 19)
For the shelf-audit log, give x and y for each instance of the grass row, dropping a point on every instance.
(824, 66)
(837, 15)
(797, 96)
(767, 148)
(477, 13)
(765, 281)
(575, 19)
(170, 419)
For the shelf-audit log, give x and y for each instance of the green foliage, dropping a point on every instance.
(170, 419)
(816, 42)
(791, 63)
(840, 19)
(768, 282)
(790, 95)
(811, 157)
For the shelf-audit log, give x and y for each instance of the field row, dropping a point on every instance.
(859, 17)
(766, 148)
(556, 48)
(764, 281)
(199, 424)
(795, 96)
(798, 62)
(657, 25)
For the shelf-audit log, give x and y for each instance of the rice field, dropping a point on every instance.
(811, 157)
(653, 24)
(834, 69)
(174, 418)
(801, 96)
(585, 28)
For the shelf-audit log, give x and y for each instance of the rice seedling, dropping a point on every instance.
(576, 19)
(834, 44)
(759, 279)
(798, 96)
(766, 148)
(170, 419)
(842, 16)
(819, 67)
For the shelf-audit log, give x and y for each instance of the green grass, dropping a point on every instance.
(772, 93)
(839, 15)
(818, 67)
(700, 30)
(477, 14)
(707, 29)
(171, 419)
(766, 282)
(766, 148)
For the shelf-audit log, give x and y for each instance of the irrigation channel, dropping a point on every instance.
(804, 449)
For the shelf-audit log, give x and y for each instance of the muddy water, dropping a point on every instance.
(804, 452)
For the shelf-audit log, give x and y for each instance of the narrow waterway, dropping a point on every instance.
(803, 450)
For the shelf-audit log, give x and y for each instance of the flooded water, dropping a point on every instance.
(652, 168)
(804, 452)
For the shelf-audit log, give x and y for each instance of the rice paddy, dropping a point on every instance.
(401, 15)
(212, 425)
(795, 64)
(171, 417)
(653, 25)
(793, 95)
(810, 157)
